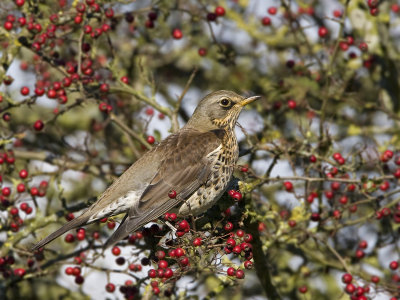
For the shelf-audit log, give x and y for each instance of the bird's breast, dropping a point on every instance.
(223, 161)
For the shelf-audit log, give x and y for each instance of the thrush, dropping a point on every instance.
(187, 172)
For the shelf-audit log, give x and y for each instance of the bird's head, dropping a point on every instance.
(218, 110)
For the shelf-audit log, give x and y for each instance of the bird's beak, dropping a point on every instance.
(248, 100)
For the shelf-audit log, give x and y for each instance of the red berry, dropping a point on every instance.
(21, 188)
(14, 211)
(315, 217)
(22, 21)
(303, 289)
(69, 238)
(24, 206)
(337, 13)
(363, 244)
(219, 11)
(237, 196)
(202, 51)
(239, 274)
(69, 270)
(150, 139)
(19, 2)
(375, 279)
(323, 32)
(116, 251)
(228, 226)
(248, 264)
(172, 195)
(395, 8)
(8, 25)
(230, 243)
(272, 10)
(336, 156)
(231, 271)
(343, 200)
(24, 91)
(152, 273)
(19, 272)
(168, 273)
(184, 261)
(179, 252)
(38, 125)
(76, 271)
(197, 242)
(6, 191)
(347, 278)
(104, 88)
(350, 288)
(384, 186)
(23, 173)
(34, 191)
(372, 3)
(162, 264)
(51, 93)
(240, 233)
(177, 34)
(288, 186)
(248, 238)
(374, 11)
(109, 12)
(363, 47)
(183, 225)
(393, 265)
(266, 21)
(110, 287)
(124, 79)
(359, 254)
(351, 187)
(292, 104)
(313, 158)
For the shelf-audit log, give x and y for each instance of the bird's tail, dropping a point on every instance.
(79, 221)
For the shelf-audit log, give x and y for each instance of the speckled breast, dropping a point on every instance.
(224, 159)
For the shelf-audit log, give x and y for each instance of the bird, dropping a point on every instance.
(186, 172)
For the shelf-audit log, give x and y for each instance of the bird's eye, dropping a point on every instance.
(225, 102)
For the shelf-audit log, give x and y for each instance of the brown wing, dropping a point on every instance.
(184, 169)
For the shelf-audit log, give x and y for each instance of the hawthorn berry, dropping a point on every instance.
(323, 32)
(116, 250)
(292, 104)
(177, 34)
(197, 242)
(272, 10)
(150, 139)
(347, 278)
(288, 186)
(110, 287)
(239, 274)
(231, 271)
(24, 91)
(266, 21)
(303, 289)
(219, 11)
(172, 195)
(393, 265)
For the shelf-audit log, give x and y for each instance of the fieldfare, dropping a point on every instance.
(187, 172)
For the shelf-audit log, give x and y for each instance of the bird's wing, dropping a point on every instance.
(184, 169)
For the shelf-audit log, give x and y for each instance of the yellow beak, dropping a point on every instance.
(248, 100)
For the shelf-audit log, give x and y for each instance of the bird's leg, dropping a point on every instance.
(193, 221)
(170, 226)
